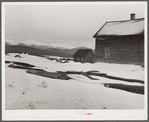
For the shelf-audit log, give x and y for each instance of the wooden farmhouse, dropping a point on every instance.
(121, 41)
(83, 55)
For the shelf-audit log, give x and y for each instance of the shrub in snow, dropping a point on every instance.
(31, 106)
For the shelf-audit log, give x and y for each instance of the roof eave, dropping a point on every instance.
(99, 30)
(104, 36)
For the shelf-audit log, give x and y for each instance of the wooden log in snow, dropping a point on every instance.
(128, 88)
(53, 75)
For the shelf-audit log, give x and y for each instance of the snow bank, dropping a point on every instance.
(119, 70)
(26, 91)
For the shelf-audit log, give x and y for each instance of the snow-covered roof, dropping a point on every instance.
(119, 28)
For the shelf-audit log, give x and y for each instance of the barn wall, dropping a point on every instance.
(85, 59)
(90, 54)
(126, 50)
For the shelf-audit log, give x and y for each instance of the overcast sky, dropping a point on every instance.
(73, 24)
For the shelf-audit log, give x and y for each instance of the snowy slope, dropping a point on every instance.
(27, 91)
(121, 70)
(62, 46)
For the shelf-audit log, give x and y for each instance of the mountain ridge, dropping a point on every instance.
(40, 52)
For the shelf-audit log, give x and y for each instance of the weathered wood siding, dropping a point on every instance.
(85, 58)
(89, 55)
(127, 49)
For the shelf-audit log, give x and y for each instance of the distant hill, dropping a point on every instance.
(7, 44)
(38, 48)
(21, 44)
(39, 52)
(23, 49)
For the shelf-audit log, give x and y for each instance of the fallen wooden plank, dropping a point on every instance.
(19, 67)
(20, 63)
(128, 88)
(123, 79)
(53, 75)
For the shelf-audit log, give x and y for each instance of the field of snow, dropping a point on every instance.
(28, 91)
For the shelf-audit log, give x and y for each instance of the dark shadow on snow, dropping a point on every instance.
(128, 88)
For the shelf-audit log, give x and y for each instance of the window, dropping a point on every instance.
(107, 52)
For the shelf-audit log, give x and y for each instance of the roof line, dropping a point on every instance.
(99, 30)
(92, 52)
(102, 36)
(114, 21)
(82, 52)
(123, 20)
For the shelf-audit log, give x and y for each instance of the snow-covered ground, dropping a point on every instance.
(28, 91)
